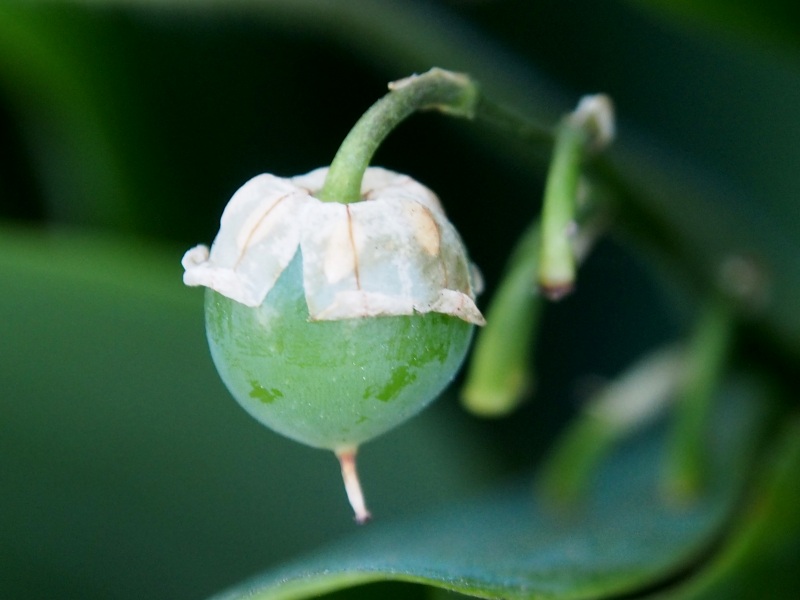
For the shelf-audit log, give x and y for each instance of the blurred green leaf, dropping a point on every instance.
(772, 23)
(759, 558)
(624, 537)
(64, 77)
(127, 471)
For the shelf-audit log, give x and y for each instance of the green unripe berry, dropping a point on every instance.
(333, 323)
(330, 384)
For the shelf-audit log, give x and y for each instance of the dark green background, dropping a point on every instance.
(126, 470)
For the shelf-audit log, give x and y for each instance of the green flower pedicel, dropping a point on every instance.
(333, 322)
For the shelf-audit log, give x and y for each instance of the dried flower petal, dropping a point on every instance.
(394, 253)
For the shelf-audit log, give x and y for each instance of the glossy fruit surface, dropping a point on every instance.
(330, 384)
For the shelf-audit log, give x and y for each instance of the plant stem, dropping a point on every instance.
(519, 126)
(589, 127)
(627, 404)
(557, 260)
(454, 94)
(705, 365)
(352, 484)
(451, 93)
(500, 372)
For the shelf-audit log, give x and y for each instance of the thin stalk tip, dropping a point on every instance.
(352, 485)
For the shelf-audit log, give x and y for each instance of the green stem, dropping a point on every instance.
(500, 372)
(628, 404)
(451, 93)
(557, 259)
(590, 127)
(519, 126)
(706, 361)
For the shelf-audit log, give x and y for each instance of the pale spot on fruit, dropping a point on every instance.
(340, 257)
(426, 232)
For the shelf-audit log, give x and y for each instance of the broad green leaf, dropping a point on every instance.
(128, 471)
(625, 536)
(759, 558)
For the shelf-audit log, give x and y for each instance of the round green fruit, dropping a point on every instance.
(330, 384)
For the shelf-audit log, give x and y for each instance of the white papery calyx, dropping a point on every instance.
(393, 253)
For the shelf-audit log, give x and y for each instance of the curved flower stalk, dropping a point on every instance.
(589, 128)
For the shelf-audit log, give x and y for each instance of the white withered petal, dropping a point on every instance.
(393, 253)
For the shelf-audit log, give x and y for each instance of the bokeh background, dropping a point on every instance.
(126, 471)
